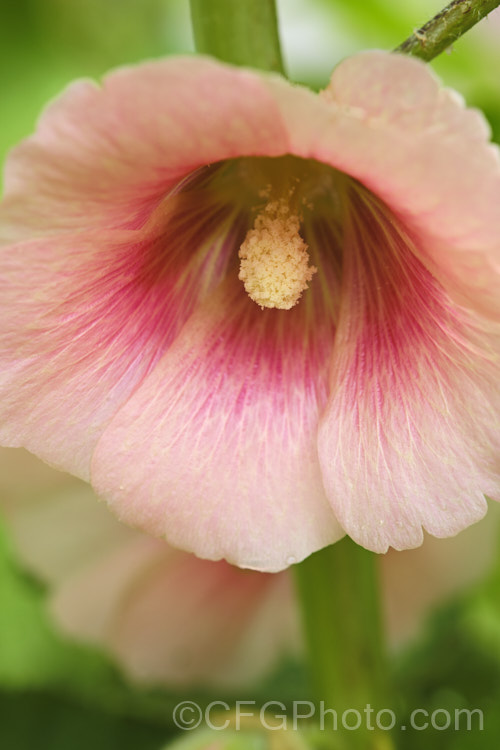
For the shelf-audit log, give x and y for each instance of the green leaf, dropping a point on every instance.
(41, 721)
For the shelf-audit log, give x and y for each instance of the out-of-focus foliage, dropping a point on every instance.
(44, 44)
(456, 665)
(47, 721)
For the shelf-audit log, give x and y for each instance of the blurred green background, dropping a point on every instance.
(57, 696)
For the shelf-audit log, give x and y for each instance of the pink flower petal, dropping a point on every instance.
(166, 616)
(189, 621)
(170, 618)
(217, 449)
(107, 306)
(390, 125)
(106, 156)
(57, 532)
(124, 329)
(110, 299)
(411, 434)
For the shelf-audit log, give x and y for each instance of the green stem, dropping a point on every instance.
(242, 32)
(446, 27)
(340, 606)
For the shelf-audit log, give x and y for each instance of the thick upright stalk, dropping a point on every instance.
(242, 32)
(339, 597)
(337, 586)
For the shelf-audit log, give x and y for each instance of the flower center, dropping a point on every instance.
(274, 262)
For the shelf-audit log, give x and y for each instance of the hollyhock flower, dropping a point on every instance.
(255, 317)
(169, 618)
(164, 615)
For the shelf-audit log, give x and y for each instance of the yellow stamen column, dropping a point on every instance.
(274, 262)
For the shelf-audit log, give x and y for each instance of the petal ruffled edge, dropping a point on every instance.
(102, 156)
(230, 465)
(410, 437)
(386, 121)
